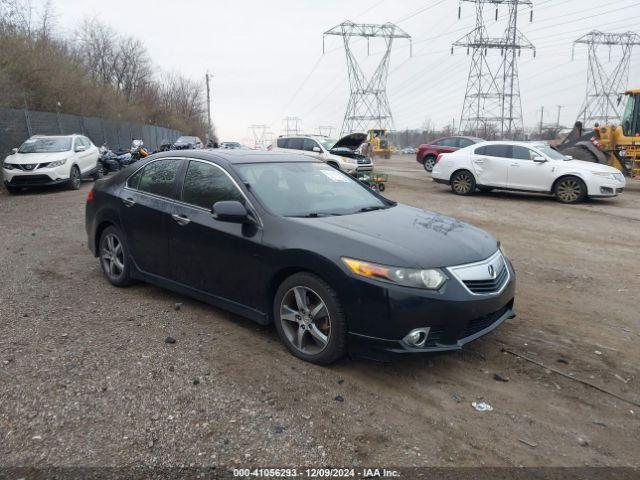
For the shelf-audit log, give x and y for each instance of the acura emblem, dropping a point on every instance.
(492, 272)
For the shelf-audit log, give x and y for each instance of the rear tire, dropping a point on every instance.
(319, 337)
(99, 171)
(114, 257)
(463, 182)
(381, 187)
(429, 163)
(570, 190)
(75, 179)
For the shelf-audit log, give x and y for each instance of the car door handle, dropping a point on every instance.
(128, 202)
(180, 219)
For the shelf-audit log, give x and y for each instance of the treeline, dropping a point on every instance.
(95, 72)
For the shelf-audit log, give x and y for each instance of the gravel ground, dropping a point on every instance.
(87, 378)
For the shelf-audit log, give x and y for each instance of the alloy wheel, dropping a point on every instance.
(112, 256)
(75, 178)
(429, 163)
(569, 190)
(305, 320)
(462, 183)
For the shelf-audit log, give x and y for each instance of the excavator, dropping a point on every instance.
(614, 145)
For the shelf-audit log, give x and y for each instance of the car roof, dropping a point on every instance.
(56, 136)
(235, 157)
(533, 143)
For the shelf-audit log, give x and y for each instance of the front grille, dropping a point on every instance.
(31, 179)
(363, 161)
(27, 167)
(488, 286)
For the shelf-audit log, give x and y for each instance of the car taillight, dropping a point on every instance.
(438, 158)
(90, 196)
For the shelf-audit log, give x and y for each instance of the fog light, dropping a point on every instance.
(417, 337)
(606, 190)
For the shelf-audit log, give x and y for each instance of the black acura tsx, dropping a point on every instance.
(285, 239)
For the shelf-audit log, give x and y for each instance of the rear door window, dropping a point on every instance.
(296, 143)
(205, 184)
(449, 142)
(498, 150)
(157, 178)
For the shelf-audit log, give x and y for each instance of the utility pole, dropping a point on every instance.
(541, 119)
(209, 126)
(368, 106)
(560, 107)
(492, 98)
(604, 85)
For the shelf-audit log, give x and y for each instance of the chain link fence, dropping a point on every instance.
(18, 125)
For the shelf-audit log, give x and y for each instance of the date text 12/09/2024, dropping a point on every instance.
(315, 473)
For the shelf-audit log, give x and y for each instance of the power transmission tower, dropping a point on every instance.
(259, 133)
(368, 105)
(292, 126)
(604, 85)
(325, 130)
(492, 101)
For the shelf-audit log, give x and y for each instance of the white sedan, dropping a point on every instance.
(527, 167)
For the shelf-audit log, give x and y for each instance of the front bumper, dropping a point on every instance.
(35, 178)
(381, 315)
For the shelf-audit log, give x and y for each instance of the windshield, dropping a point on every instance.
(186, 140)
(46, 145)
(327, 143)
(551, 153)
(307, 189)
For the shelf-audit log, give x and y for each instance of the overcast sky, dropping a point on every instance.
(267, 61)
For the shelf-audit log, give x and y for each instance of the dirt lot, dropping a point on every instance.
(86, 377)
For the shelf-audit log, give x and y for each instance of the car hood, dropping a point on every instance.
(27, 158)
(405, 236)
(351, 141)
(589, 166)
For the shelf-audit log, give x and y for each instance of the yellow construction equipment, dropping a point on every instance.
(615, 145)
(378, 144)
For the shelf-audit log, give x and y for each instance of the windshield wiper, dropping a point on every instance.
(372, 208)
(316, 215)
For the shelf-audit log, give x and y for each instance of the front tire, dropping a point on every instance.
(463, 182)
(429, 163)
(114, 257)
(75, 179)
(570, 190)
(310, 320)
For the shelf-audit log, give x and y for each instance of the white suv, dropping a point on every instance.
(340, 154)
(528, 167)
(51, 160)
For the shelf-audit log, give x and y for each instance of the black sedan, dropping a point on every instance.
(285, 239)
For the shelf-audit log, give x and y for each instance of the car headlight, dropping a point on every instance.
(610, 176)
(57, 163)
(431, 279)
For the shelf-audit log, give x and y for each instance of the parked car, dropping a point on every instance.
(187, 143)
(52, 160)
(408, 151)
(530, 167)
(427, 153)
(342, 154)
(231, 145)
(287, 239)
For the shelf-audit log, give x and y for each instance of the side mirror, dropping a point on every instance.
(80, 148)
(14, 150)
(539, 159)
(317, 149)
(230, 211)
